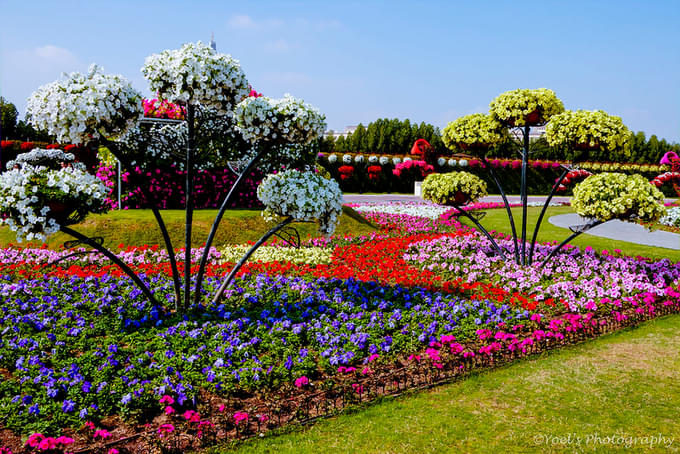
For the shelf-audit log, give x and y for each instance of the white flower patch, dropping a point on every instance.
(285, 120)
(347, 158)
(396, 161)
(441, 162)
(359, 159)
(430, 211)
(84, 106)
(384, 160)
(305, 196)
(40, 155)
(333, 158)
(197, 74)
(672, 217)
(373, 159)
(453, 162)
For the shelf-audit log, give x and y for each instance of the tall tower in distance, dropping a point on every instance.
(212, 42)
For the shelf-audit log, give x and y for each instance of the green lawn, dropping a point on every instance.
(497, 219)
(626, 384)
(138, 227)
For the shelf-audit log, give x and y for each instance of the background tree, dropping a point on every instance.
(8, 121)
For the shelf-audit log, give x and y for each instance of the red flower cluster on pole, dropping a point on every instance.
(374, 172)
(346, 172)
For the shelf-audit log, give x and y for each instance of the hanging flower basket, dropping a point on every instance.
(60, 212)
(474, 146)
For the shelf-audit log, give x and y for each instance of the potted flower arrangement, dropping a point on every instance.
(37, 200)
(302, 195)
(475, 133)
(607, 196)
(453, 188)
(522, 107)
(587, 130)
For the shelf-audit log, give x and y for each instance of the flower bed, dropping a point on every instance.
(303, 333)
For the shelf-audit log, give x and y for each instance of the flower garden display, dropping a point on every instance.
(587, 130)
(519, 108)
(522, 109)
(608, 196)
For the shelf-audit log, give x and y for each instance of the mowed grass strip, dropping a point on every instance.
(138, 227)
(593, 397)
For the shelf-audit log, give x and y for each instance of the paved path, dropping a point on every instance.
(623, 231)
(617, 230)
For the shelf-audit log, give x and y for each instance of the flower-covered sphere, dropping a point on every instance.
(85, 106)
(525, 107)
(197, 74)
(302, 195)
(608, 196)
(453, 188)
(285, 120)
(588, 129)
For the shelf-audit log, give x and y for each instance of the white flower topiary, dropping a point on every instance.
(303, 195)
(285, 120)
(26, 194)
(85, 106)
(197, 74)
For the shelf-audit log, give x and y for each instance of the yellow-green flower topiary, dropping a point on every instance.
(608, 196)
(588, 129)
(453, 188)
(522, 106)
(476, 132)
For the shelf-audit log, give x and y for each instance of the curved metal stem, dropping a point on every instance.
(111, 256)
(540, 217)
(113, 148)
(507, 207)
(525, 165)
(216, 224)
(571, 237)
(188, 205)
(250, 252)
(482, 229)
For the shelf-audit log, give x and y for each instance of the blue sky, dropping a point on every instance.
(358, 61)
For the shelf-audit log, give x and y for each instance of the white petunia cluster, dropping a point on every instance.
(396, 161)
(384, 160)
(332, 158)
(359, 159)
(26, 191)
(197, 74)
(285, 120)
(347, 158)
(441, 162)
(84, 106)
(305, 196)
(39, 155)
(373, 159)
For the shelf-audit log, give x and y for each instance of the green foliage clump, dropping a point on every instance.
(476, 132)
(588, 129)
(522, 106)
(453, 187)
(608, 196)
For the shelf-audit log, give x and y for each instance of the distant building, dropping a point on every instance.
(213, 45)
(534, 133)
(348, 130)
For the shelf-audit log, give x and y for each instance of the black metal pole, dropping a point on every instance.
(188, 205)
(113, 148)
(525, 164)
(250, 252)
(216, 223)
(540, 217)
(507, 207)
(482, 229)
(111, 256)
